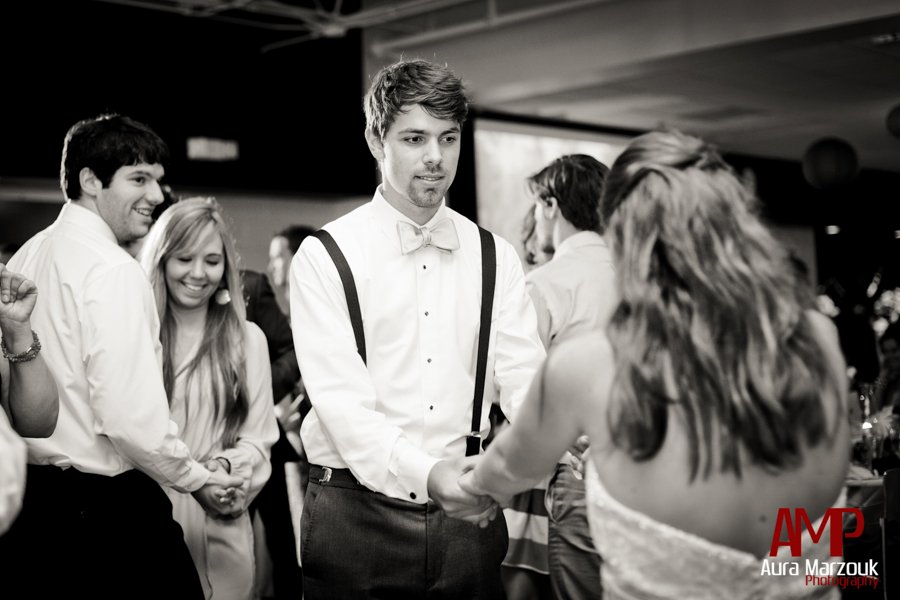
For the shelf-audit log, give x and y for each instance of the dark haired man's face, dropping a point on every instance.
(418, 156)
(127, 203)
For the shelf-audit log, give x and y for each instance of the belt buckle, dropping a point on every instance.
(327, 476)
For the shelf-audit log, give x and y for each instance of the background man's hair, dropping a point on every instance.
(295, 234)
(576, 181)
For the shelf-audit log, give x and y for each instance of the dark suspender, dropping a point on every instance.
(349, 289)
(488, 280)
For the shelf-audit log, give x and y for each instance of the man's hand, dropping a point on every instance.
(444, 490)
(17, 298)
(287, 411)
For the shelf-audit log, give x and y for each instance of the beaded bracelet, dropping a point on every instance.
(29, 354)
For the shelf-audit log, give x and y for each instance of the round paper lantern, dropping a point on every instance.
(830, 162)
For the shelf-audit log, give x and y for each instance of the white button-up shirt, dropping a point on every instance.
(99, 331)
(391, 420)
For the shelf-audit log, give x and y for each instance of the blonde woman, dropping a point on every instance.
(218, 379)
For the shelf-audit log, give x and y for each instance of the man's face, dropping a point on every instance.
(279, 261)
(127, 203)
(418, 158)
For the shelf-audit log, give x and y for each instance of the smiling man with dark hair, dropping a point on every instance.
(94, 511)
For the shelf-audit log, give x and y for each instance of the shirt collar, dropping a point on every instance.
(85, 220)
(579, 240)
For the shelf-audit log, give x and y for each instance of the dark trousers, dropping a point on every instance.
(357, 544)
(91, 536)
(574, 562)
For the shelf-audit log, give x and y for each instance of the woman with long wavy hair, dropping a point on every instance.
(217, 376)
(714, 397)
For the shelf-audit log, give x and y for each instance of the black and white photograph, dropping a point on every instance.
(450, 299)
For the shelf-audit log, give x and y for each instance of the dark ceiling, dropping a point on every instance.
(296, 112)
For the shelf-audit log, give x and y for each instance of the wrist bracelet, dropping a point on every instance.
(29, 354)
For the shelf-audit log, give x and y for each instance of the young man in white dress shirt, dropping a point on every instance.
(95, 522)
(387, 435)
(573, 293)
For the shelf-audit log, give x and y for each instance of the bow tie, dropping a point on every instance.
(441, 235)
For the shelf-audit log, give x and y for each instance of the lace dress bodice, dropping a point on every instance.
(644, 559)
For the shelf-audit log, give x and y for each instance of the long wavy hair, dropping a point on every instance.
(222, 347)
(711, 320)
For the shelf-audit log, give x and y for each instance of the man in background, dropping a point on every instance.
(573, 293)
(282, 248)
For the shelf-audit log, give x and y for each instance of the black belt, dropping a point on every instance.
(328, 475)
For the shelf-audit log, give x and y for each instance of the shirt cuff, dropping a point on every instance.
(195, 479)
(411, 466)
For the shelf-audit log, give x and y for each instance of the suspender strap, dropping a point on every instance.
(349, 289)
(488, 279)
(352, 302)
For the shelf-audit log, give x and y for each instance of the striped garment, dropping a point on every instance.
(527, 521)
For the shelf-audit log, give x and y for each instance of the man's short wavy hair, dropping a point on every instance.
(406, 83)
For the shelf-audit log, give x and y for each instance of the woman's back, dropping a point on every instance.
(735, 512)
(721, 515)
(646, 559)
(738, 512)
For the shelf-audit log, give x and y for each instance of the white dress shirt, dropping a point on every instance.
(12, 473)
(574, 292)
(392, 420)
(100, 335)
